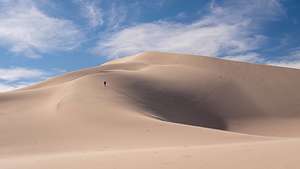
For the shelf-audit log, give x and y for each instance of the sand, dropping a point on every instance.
(158, 110)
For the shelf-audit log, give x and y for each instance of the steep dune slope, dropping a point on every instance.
(225, 95)
(154, 103)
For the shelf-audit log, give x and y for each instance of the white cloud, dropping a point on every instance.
(197, 38)
(256, 58)
(26, 30)
(10, 87)
(291, 61)
(18, 77)
(289, 64)
(229, 29)
(5, 87)
(248, 57)
(115, 16)
(92, 12)
(19, 73)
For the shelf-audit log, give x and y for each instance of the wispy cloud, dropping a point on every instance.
(92, 12)
(248, 57)
(292, 60)
(229, 29)
(17, 77)
(289, 64)
(27, 31)
(12, 86)
(116, 15)
(19, 73)
(5, 87)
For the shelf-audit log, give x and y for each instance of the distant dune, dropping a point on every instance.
(157, 111)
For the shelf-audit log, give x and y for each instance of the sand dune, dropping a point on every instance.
(158, 110)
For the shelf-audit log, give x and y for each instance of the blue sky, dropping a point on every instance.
(44, 38)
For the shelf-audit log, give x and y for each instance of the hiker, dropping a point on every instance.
(104, 83)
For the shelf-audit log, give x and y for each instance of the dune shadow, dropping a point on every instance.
(214, 109)
(175, 106)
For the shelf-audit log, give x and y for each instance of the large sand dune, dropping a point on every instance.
(158, 110)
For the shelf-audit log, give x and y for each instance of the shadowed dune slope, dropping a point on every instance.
(156, 105)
